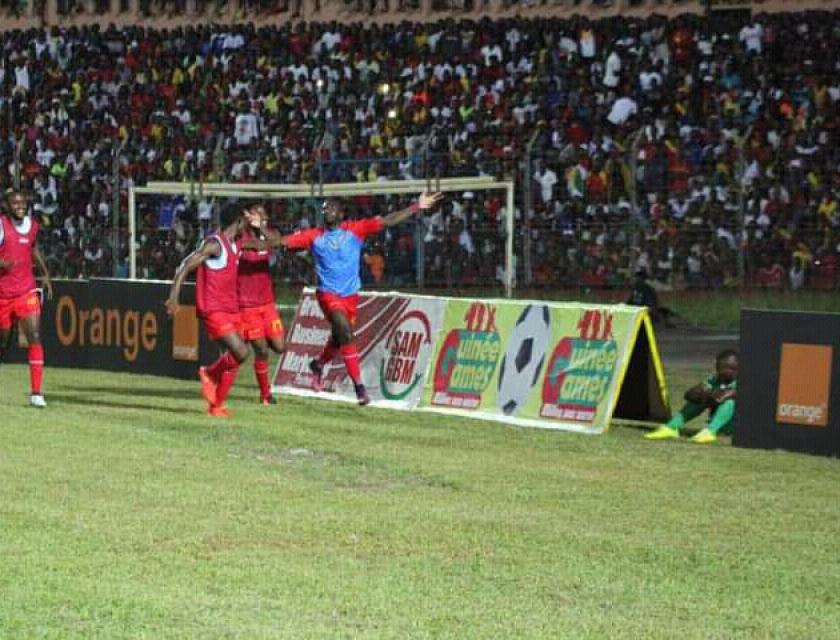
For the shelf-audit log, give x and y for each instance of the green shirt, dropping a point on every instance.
(713, 384)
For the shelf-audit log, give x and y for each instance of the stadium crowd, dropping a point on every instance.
(647, 139)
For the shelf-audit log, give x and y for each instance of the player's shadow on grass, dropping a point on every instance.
(150, 392)
(71, 398)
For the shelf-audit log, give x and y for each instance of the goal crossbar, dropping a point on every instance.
(316, 190)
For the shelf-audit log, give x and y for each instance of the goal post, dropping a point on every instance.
(330, 190)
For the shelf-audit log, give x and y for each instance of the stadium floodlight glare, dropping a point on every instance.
(339, 190)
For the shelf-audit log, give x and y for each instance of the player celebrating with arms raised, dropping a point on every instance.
(19, 298)
(261, 324)
(336, 249)
(217, 304)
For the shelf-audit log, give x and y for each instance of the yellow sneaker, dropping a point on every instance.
(663, 433)
(704, 437)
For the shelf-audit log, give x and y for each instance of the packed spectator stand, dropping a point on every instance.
(703, 150)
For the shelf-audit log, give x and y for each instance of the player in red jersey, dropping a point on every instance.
(217, 304)
(261, 324)
(336, 249)
(19, 297)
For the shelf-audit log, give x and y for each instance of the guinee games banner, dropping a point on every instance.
(526, 363)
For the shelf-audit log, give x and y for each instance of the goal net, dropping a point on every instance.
(466, 243)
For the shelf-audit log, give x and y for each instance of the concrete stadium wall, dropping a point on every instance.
(340, 11)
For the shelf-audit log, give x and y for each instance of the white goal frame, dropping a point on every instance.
(331, 190)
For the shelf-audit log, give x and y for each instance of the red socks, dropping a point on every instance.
(226, 361)
(36, 368)
(261, 371)
(327, 354)
(351, 362)
(223, 371)
(225, 383)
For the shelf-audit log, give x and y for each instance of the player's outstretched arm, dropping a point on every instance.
(45, 272)
(424, 202)
(209, 249)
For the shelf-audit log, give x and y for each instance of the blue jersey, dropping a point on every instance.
(337, 253)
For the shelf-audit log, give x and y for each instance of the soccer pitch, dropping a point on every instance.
(126, 513)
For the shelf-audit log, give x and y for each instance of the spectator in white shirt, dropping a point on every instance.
(247, 128)
(751, 36)
(22, 76)
(547, 179)
(587, 42)
(612, 70)
(622, 110)
(465, 241)
(491, 54)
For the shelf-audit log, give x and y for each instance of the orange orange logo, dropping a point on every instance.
(185, 334)
(804, 384)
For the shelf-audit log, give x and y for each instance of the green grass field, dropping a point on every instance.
(126, 513)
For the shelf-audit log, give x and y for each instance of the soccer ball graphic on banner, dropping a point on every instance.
(524, 359)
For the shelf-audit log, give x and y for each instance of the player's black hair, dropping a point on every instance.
(229, 213)
(725, 354)
(334, 201)
(12, 192)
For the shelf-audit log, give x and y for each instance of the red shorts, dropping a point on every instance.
(261, 322)
(330, 303)
(14, 309)
(220, 324)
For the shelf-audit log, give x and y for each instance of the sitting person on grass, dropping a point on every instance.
(644, 295)
(717, 394)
